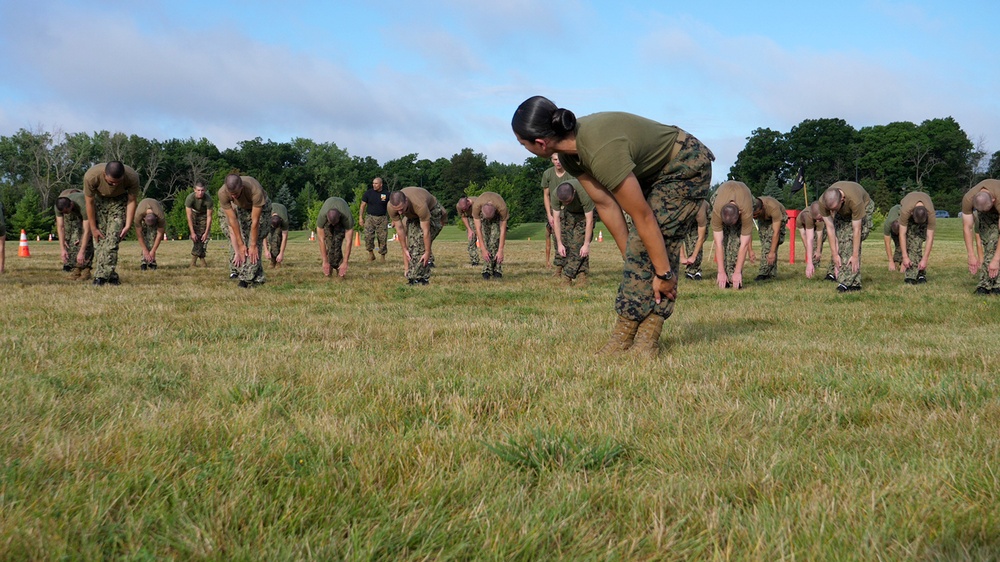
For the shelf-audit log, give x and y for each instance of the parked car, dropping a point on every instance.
(942, 214)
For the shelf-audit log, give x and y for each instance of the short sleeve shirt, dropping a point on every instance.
(94, 184)
(551, 179)
(421, 203)
(150, 205)
(253, 195)
(78, 199)
(738, 193)
(282, 212)
(909, 203)
(488, 197)
(806, 220)
(893, 215)
(612, 145)
(773, 210)
(855, 201)
(992, 186)
(582, 203)
(346, 220)
(377, 202)
(199, 206)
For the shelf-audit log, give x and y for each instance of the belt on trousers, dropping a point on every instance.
(681, 137)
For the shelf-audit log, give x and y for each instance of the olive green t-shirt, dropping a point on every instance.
(488, 197)
(893, 215)
(253, 195)
(582, 203)
(147, 205)
(95, 185)
(612, 145)
(738, 193)
(78, 199)
(855, 201)
(773, 210)
(346, 219)
(421, 203)
(282, 212)
(551, 179)
(993, 186)
(909, 202)
(199, 206)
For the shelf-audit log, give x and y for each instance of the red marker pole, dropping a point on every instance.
(792, 215)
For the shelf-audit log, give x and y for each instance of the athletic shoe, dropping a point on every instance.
(831, 277)
(486, 276)
(498, 275)
(99, 281)
(910, 281)
(233, 275)
(143, 267)
(697, 276)
(690, 276)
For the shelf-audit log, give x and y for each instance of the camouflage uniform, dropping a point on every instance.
(845, 244)
(473, 247)
(110, 220)
(73, 227)
(252, 273)
(491, 233)
(674, 198)
(376, 228)
(989, 233)
(916, 235)
(224, 226)
(415, 244)
(573, 227)
(334, 240)
(766, 233)
(689, 243)
(200, 223)
(149, 237)
(730, 248)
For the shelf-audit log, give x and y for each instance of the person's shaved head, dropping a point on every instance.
(463, 205)
(64, 205)
(489, 211)
(894, 227)
(758, 207)
(397, 198)
(833, 199)
(114, 169)
(333, 217)
(814, 210)
(234, 183)
(275, 221)
(150, 219)
(920, 214)
(565, 193)
(730, 214)
(983, 201)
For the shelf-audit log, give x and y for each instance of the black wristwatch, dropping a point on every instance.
(666, 276)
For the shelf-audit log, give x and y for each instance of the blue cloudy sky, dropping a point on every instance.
(386, 78)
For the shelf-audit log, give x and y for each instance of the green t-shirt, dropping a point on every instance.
(282, 212)
(78, 199)
(199, 206)
(346, 220)
(892, 216)
(582, 203)
(613, 144)
(551, 180)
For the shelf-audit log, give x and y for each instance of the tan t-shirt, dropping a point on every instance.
(147, 205)
(493, 199)
(253, 195)
(77, 197)
(992, 186)
(806, 220)
(855, 201)
(738, 193)
(421, 203)
(909, 203)
(95, 185)
(773, 210)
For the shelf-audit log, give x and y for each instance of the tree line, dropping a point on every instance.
(936, 157)
(36, 165)
(888, 160)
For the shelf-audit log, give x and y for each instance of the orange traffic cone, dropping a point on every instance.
(600, 236)
(312, 235)
(357, 238)
(22, 251)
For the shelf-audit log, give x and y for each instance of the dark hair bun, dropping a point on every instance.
(563, 121)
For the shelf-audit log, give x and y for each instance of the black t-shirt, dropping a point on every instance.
(377, 201)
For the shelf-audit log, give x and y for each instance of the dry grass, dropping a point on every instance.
(178, 416)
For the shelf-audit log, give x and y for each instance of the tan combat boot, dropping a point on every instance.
(566, 281)
(84, 273)
(647, 338)
(581, 280)
(621, 336)
(203, 262)
(382, 256)
(371, 256)
(74, 274)
(194, 261)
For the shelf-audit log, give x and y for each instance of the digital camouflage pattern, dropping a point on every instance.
(845, 244)
(916, 235)
(73, 228)
(690, 240)
(376, 228)
(224, 225)
(274, 241)
(252, 273)
(110, 220)
(989, 233)
(674, 198)
(334, 240)
(766, 233)
(574, 233)
(730, 248)
(491, 233)
(473, 246)
(200, 222)
(149, 237)
(415, 244)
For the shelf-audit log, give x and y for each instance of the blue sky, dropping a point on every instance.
(387, 78)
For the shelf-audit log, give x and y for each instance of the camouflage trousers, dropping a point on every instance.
(844, 231)
(376, 228)
(989, 233)
(766, 234)
(224, 225)
(897, 251)
(110, 220)
(252, 273)
(491, 235)
(574, 234)
(689, 243)
(149, 237)
(200, 222)
(73, 228)
(473, 248)
(558, 261)
(274, 242)
(916, 235)
(674, 198)
(730, 248)
(415, 244)
(334, 240)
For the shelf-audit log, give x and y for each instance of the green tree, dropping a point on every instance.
(304, 202)
(284, 197)
(765, 153)
(29, 216)
(506, 190)
(177, 225)
(466, 167)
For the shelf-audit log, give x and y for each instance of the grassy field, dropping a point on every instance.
(179, 417)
